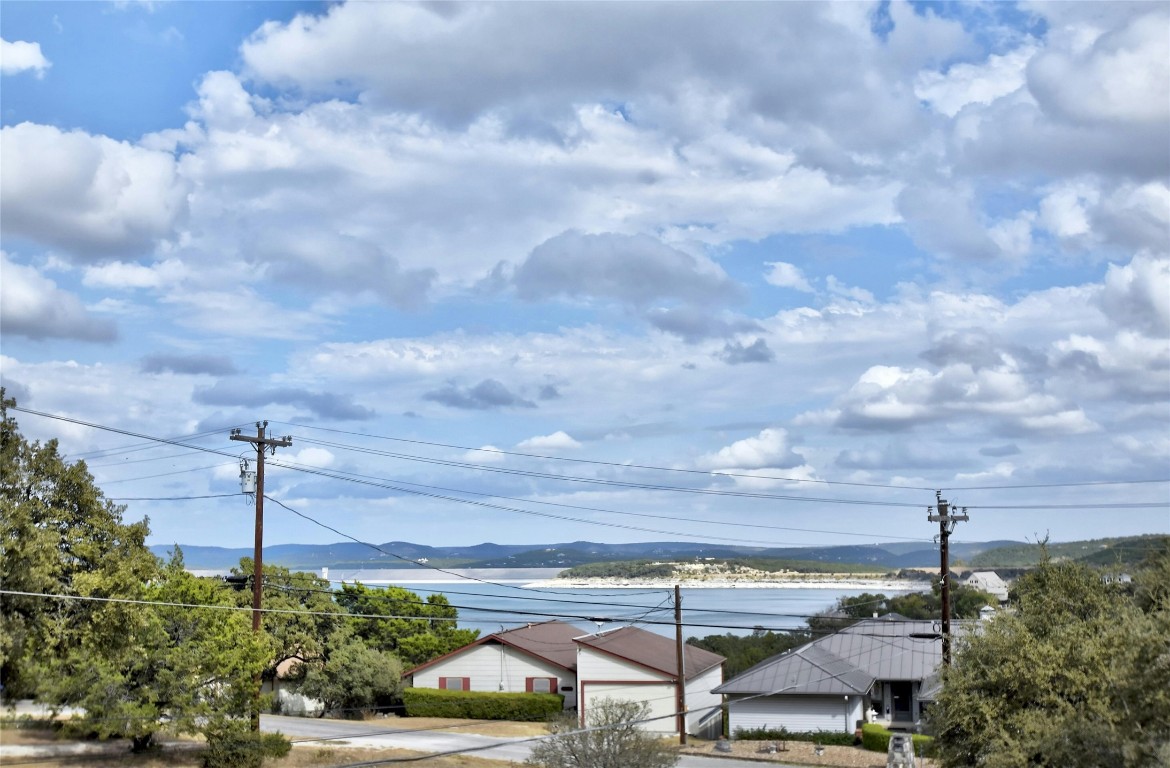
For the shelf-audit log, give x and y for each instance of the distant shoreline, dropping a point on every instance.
(803, 582)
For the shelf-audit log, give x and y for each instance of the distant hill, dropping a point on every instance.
(888, 556)
(1124, 552)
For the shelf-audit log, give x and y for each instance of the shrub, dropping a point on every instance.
(232, 744)
(876, 738)
(482, 705)
(838, 738)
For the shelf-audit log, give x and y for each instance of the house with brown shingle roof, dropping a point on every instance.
(557, 657)
(632, 663)
(537, 658)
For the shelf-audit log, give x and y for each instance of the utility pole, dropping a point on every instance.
(263, 445)
(681, 687)
(946, 520)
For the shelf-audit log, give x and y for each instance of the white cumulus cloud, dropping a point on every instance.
(557, 440)
(21, 56)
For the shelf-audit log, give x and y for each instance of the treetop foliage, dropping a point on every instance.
(136, 668)
(1077, 675)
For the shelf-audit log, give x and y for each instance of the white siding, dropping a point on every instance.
(494, 667)
(796, 713)
(704, 718)
(592, 665)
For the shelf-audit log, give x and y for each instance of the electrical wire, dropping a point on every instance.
(346, 475)
(621, 483)
(391, 554)
(366, 616)
(620, 465)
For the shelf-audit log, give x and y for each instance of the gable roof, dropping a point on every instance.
(849, 661)
(807, 669)
(550, 641)
(651, 650)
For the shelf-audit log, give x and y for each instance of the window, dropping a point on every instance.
(540, 684)
(455, 683)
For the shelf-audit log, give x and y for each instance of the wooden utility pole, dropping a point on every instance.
(263, 445)
(681, 687)
(946, 520)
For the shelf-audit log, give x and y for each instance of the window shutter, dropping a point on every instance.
(528, 684)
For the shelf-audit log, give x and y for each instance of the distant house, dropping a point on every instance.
(631, 663)
(875, 669)
(537, 658)
(989, 582)
(553, 656)
(287, 699)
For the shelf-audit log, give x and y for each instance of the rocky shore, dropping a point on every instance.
(701, 577)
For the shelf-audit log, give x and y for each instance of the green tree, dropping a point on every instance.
(301, 614)
(414, 630)
(60, 540)
(613, 739)
(1078, 674)
(352, 678)
(965, 604)
(745, 651)
(91, 631)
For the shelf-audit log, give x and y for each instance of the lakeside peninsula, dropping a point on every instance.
(723, 575)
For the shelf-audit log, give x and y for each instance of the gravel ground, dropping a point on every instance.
(799, 753)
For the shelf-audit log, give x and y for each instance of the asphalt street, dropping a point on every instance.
(367, 734)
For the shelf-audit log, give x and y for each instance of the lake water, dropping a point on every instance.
(493, 599)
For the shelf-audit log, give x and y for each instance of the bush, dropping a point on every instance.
(837, 738)
(876, 738)
(234, 745)
(614, 738)
(482, 705)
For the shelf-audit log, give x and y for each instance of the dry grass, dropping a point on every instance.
(185, 753)
(797, 753)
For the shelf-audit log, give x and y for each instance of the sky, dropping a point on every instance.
(767, 274)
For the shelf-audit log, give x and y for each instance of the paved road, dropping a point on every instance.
(368, 734)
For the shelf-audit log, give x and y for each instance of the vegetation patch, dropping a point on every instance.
(836, 738)
(482, 705)
(876, 738)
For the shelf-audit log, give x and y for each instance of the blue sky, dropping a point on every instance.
(765, 273)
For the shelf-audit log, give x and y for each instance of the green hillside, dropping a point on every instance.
(1124, 552)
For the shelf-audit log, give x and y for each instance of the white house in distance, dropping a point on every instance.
(554, 656)
(877, 669)
(989, 582)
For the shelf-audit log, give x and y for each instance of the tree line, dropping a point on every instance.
(91, 619)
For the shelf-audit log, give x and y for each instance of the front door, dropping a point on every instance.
(902, 693)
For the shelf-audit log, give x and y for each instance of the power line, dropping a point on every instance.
(173, 498)
(391, 554)
(163, 474)
(619, 483)
(621, 465)
(347, 475)
(116, 430)
(366, 616)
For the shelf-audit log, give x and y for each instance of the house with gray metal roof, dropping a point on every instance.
(874, 669)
